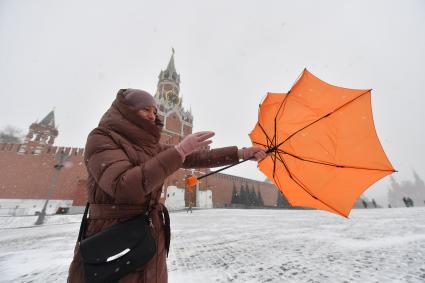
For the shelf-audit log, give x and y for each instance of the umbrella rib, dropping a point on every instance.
(283, 103)
(332, 164)
(277, 182)
(330, 113)
(260, 144)
(280, 158)
(268, 138)
(274, 163)
(293, 177)
(290, 175)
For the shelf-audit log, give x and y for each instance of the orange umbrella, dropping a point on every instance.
(324, 150)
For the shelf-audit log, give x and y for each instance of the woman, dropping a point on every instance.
(127, 167)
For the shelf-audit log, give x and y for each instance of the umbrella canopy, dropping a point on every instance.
(324, 148)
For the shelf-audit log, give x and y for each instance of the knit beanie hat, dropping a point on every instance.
(137, 99)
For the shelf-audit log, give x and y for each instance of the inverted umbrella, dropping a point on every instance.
(324, 148)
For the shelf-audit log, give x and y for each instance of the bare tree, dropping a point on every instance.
(11, 134)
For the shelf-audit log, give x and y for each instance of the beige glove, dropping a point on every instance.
(193, 142)
(248, 152)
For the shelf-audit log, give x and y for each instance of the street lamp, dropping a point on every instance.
(60, 158)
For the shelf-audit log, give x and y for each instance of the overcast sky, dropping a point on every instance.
(74, 55)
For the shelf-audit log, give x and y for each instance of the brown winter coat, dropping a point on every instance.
(127, 167)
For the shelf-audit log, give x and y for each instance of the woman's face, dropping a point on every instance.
(148, 113)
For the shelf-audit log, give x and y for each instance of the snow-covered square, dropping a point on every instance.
(231, 245)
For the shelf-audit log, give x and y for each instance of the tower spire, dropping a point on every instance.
(40, 135)
(49, 120)
(171, 67)
(177, 121)
(169, 82)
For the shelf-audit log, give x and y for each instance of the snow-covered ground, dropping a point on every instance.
(218, 245)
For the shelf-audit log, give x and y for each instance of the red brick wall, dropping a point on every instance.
(173, 123)
(80, 195)
(187, 130)
(30, 177)
(222, 187)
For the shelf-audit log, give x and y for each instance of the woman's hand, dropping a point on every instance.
(193, 142)
(248, 152)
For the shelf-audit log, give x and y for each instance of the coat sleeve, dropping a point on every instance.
(117, 176)
(212, 158)
(208, 158)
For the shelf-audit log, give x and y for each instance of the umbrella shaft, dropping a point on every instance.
(224, 168)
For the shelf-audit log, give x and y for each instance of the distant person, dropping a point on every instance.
(189, 208)
(189, 188)
(374, 203)
(405, 202)
(410, 201)
(364, 203)
(127, 166)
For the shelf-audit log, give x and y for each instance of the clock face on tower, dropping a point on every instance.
(172, 97)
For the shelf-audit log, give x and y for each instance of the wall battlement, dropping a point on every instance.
(48, 150)
(10, 147)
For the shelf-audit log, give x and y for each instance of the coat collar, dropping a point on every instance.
(121, 119)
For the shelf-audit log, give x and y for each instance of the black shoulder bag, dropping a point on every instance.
(122, 248)
(116, 251)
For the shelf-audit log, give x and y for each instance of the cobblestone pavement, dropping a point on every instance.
(375, 245)
(229, 245)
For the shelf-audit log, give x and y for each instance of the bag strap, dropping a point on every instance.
(167, 229)
(83, 224)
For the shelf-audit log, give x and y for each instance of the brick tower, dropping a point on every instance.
(177, 121)
(40, 135)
